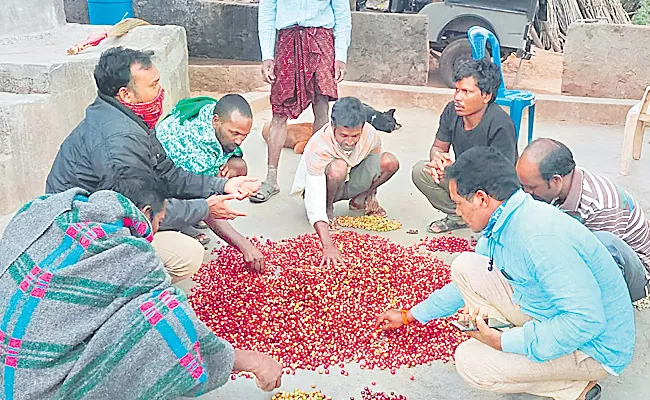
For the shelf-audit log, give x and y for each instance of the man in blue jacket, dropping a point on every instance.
(539, 269)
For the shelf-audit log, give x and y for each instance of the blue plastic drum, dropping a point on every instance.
(109, 12)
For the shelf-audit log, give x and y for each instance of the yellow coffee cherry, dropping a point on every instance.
(370, 223)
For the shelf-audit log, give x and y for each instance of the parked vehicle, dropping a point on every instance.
(449, 20)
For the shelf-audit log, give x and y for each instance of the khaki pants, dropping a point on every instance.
(436, 193)
(360, 178)
(182, 255)
(486, 368)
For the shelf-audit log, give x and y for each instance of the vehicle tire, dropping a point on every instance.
(455, 53)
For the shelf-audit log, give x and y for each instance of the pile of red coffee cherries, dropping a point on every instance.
(448, 244)
(311, 317)
(368, 394)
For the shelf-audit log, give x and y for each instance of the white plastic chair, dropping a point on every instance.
(638, 119)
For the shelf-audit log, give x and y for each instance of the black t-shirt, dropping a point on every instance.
(496, 129)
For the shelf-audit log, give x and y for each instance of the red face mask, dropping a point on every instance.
(150, 111)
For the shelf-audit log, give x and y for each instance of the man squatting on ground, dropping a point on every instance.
(342, 161)
(203, 136)
(548, 172)
(471, 119)
(304, 66)
(117, 131)
(88, 303)
(539, 269)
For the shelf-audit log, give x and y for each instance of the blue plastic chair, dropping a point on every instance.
(516, 100)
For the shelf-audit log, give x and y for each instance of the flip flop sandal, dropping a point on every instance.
(264, 194)
(594, 393)
(200, 225)
(445, 225)
(203, 239)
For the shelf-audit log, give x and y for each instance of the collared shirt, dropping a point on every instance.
(562, 277)
(602, 205)
(274, 15)
(193, 144)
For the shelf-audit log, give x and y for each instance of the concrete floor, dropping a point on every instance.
(595, 147)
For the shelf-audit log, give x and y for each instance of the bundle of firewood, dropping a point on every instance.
(551, 34)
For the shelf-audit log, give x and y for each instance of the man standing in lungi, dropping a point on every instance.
(304, 66)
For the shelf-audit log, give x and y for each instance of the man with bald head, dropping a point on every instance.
(547, 171)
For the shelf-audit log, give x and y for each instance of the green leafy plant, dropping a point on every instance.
(642, 16)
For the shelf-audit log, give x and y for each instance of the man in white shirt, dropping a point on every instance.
(342, 161)
(303, 66)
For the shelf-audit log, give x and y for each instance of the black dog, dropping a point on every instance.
(382, 121)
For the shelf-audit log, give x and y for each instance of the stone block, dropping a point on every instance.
(606, 60)
(389, 48)
(224, 75)
(26, 17)
(44, 93)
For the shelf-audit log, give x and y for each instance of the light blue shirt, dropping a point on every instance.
(563, 277)
(274, 15)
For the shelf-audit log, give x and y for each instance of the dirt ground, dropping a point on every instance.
(541, 74)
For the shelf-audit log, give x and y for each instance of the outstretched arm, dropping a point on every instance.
(252, 256)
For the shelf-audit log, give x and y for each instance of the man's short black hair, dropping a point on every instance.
(142, 187)
(486, 73)
(553, 158)
(483, 168)
(113, 71)
(348, 112)
(230, 103)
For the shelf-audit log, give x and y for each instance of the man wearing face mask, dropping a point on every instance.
(342, 161)
(548, 172)
(471, 119)
(203, 135)
(116, 131)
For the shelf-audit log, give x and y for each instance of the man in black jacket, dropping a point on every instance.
(117, 132)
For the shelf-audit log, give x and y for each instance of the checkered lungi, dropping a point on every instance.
(304, 67)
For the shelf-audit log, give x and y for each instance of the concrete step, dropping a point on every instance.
(224, 76)
(548, 107)
(259, 99)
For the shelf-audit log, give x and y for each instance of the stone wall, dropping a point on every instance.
(386, 48)
(606, 60)
(76, 11)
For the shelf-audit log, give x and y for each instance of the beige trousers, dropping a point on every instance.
(485, 368)
(182, 255)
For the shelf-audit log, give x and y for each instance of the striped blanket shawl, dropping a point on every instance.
(87, 310)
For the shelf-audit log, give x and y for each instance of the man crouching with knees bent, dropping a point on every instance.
(342, 161)
(542, 271)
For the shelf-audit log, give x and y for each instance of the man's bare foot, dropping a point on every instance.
(373, 207)
(370, 205)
